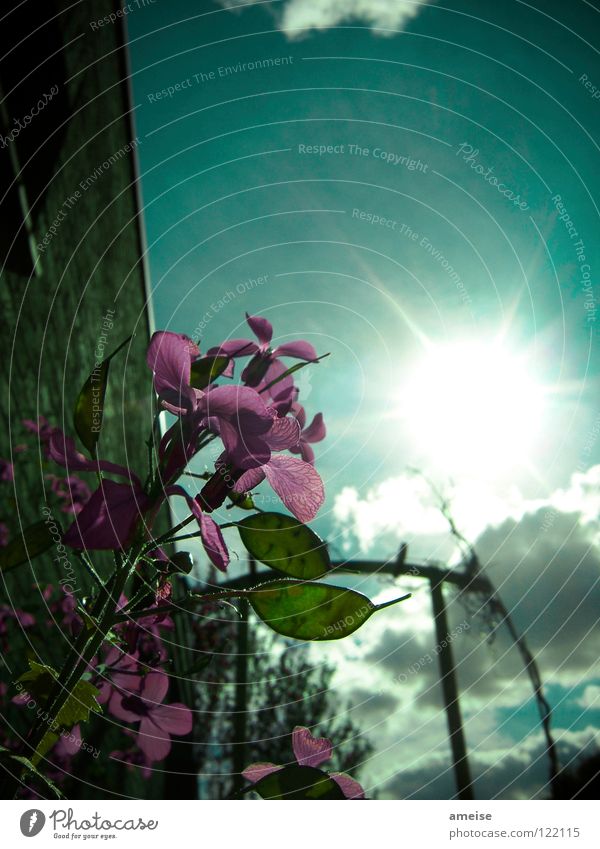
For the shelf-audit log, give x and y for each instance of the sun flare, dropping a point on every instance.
(473, 406)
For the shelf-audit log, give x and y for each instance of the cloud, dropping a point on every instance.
(516, 772)
(543, 556)
(403, 508)
(590, 698)
(298, 17)
(549, 578)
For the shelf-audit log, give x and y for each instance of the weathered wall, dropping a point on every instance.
(89, 260)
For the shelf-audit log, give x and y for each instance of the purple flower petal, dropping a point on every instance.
(284, 433)
(297, 484)
(306, 452)
(155, 744)
(255, 772)
(310, 750)
(250, 479)
(234, 348)
(243, 423)
(282, 393)
(210, 532)
(154, 688)
(123, 672)
(262, 329)
(299, 350)
(316, 431)
(349, 787)
(63, 451)
(300, 413)
(213, 542)
(69, 743)
(169, 358)
(174, 719)
(125, 714)
(108, 518)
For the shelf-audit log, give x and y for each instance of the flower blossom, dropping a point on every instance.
(308, 751)
(263, 356)
(157, 720)
(315, 432)
(295, 481)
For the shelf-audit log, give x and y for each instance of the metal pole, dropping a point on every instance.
(462, 772)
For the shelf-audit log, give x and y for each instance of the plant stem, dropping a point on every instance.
(170, 609)
(82, 652)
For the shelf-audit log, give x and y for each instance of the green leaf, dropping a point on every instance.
(28, 765)
(81, 702)
(298, 782)
(284, 544)
(291, 370)
(32, 541)
(312, 611)
(89, 406)
(39, 681)
(206, 370)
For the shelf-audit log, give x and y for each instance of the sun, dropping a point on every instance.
(473, 406)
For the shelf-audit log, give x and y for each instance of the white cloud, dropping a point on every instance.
(543, 555)
(590, 697)
(403, 508)
(510, 772)
(298, 17)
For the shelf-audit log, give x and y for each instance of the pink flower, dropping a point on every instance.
(25, 620)
(63, 451)
(120, 676)
(68, 607)
(262, 353)
(281, 394)
(7, 471)
(210, 532)
(72, 491)
(4, 535)
(143, 636)
(110, 515)
(308, 751)
(315, 432)
(69, 744)
(108, 520)
(236, 413)
(241, 418)
(42, 429)
(157, 721)
(295, 481)
(170, 357)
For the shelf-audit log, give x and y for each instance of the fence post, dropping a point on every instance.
(240, 717)
(445, 654)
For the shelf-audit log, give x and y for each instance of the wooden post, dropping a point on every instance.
(467, 581)
(240, 717)
(462, 773)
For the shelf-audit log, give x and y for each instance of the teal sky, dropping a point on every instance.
(232, 195)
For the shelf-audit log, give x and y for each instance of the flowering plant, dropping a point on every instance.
(117, 657)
